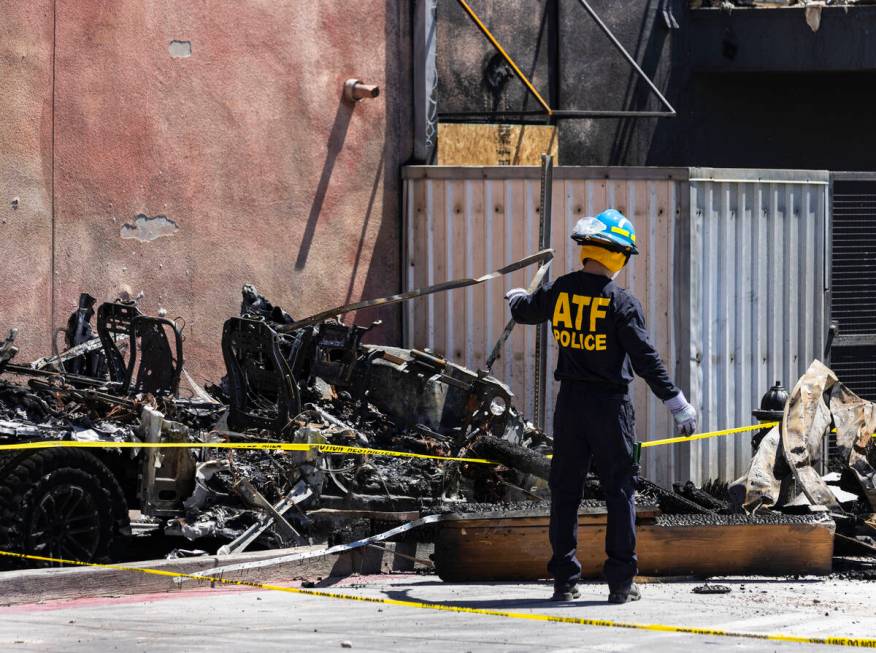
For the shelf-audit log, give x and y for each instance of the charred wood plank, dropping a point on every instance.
(698, 545)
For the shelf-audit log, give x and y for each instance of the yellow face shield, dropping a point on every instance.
(614, 261)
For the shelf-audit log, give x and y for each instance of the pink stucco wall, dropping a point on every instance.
(26, 171)
(246, 145)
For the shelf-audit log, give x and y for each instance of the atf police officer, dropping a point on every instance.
(602, 339)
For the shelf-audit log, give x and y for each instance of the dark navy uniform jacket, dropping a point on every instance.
(600, 330)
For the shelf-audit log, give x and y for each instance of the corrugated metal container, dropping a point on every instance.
(758, 261)
(464, 221)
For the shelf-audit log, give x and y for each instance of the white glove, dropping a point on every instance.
(683, 413)
(514, 293)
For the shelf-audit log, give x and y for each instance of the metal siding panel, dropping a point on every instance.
(429, 248)
(530, 245)
(742, 314)
(724, 290)
(755, 252)
(494, 210)
(641, 210)
(758, 286)
(762, 270)
(561, 264)
(408, 262)
(805, 284)
(467, 244)
(513, 190)
(661, 313)
(709, 344)
(821, 286)
(442, 323)
(696, 329)
(735, 255)
(774, 291)
(516, 239)
(790, 281)
(475, 264)
(676, 318)
(462, 251)
(823, 255)
(419, 264)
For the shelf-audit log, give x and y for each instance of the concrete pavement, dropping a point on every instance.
(237, 619)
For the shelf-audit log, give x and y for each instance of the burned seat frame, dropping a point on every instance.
(261, 366)
(152, 365)
(336, 350)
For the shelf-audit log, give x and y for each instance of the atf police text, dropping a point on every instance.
(571, 313)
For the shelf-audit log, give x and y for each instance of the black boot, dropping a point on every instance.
(624, 595)
(565, 593)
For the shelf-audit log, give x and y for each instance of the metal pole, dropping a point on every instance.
(425, 81)
(624, 52)
(572, 114)
(556, 116)
(444, 286)
(541, 339)
(506, 332)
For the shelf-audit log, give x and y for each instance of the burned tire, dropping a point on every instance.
(512, 455)
(60, 503)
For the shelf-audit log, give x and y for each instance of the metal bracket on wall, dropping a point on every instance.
(566, 114)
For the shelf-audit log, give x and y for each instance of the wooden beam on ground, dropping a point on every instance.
(518, 549)
(35, 585)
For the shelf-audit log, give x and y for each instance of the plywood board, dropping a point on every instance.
(495, 145)
(521, 553)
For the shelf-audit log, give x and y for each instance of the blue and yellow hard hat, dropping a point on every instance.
(610, 229)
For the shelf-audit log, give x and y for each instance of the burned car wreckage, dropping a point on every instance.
(118, 383)
(260, 459)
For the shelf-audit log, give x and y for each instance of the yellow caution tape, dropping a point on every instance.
(705, 436)
(264, 446)
(325, 448)
(859, 642)
(710, 434)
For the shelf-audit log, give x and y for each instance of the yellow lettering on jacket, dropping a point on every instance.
(580, 301)
(596, 310)
(562, 311)
(578, 340)
(572, 335)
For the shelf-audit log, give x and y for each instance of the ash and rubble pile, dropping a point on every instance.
(54, 409)
(120, 382)
(823, 424)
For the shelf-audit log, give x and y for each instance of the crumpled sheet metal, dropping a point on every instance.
(855, 421)
(785, 463)
(805, 422)
(761, 484)
(219, 521)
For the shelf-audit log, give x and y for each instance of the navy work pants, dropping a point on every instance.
(590, 425)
